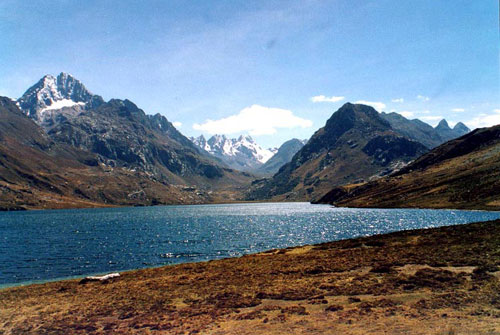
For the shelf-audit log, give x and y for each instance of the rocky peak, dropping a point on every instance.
(443, 125)
(54, 93)
(461, 128)
(200, 142)
(241, 153)
(446, 133)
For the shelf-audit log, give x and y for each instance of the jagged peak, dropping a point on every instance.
(53, 93)
(461, 126)
(65, 75)
(243, 145)
(443, 124)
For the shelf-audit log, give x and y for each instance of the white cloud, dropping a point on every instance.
(458, 110)
(177, 124)
(485, 120)
(407, 114)
(423, 98)
(322, 98)
(256, 120)
(379, 106)
(398, 100)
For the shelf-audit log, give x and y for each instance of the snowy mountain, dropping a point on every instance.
(241, 153)
(50, 94)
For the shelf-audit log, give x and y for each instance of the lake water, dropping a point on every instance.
(52, 244)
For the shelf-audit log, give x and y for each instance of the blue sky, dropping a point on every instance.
(226, 61)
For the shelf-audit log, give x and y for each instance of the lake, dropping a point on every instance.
(53, 244)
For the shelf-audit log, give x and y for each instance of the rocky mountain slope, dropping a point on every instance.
(356, 144)
(241, 153)
(284, 155)
(422, 132)
(90, 152)
(462, 173)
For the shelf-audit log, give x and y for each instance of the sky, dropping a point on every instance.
(272, 69)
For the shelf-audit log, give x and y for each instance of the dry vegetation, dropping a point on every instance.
(463, 173)
(437, 281)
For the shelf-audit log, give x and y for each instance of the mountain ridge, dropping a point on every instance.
(420, 131)
(356, 143)
(97, 153)
(461, 173)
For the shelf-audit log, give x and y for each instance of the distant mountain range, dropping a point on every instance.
(461, 173)
(356, 145)
(63, 146)
(424, 133)
(244, 154)
(241, 153)
(282, 156)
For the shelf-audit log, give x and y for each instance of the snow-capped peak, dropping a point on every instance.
(242, 152)
(54, 93)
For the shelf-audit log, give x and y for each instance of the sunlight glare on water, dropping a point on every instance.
(45, 245)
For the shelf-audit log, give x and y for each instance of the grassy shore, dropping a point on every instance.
(436, 281)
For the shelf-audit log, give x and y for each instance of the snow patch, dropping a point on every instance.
(59, 104)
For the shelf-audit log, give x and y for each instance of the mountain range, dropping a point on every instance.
(63, 146)
(75, 148)
(357, 144)
(244, 154)
(422, 132)
(461, 173)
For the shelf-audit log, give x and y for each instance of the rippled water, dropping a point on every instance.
(45, 245)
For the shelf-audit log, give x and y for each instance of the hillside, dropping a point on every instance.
(355, 145)
(462, 173)
(69, 148)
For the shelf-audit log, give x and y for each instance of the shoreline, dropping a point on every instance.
(400, 280)
(102, 206)
(107, 206)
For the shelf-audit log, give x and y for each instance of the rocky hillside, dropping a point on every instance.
(355, 145)
(122, 135)
(241, 153)
(284, 155)
(462, 173)
(69, 148)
